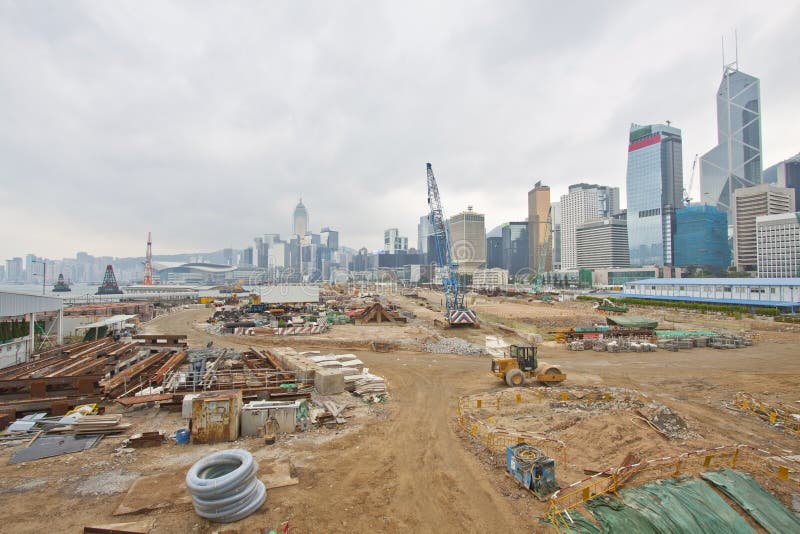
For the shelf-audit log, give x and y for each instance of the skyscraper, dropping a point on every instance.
(424, 230)
(393, 242)
(736, 161)
(785, 174)
(583, 203)
(468, 240)
(555, 217)
(515, 248)
(300, 219)
(601, 244)
(701, 238)
(538, 209)
(749, 203)
(655, 189)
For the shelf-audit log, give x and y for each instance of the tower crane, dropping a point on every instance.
(456, 313)
(686, 198)
(148, 263)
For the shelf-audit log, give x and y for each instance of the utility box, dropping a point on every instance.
(255, 415)
(215, 416)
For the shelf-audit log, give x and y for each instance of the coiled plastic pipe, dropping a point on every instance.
(224, 486)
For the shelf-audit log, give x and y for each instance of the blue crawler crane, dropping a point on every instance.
(456, 314)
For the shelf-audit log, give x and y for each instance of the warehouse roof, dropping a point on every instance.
(717, 282)
(108, 321)
(16, 304)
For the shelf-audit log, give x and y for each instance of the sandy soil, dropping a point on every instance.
(403, 466)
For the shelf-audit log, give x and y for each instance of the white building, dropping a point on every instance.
(468, 240)
(778, 245)
(602, 243)
(583, 203)
(749, 203)
(393, 242)
(490, 278)
(780, 292)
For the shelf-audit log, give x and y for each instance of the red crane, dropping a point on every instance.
(148, 263)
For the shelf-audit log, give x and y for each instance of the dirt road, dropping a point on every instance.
(407, 473)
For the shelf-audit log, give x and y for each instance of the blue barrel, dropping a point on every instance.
(182, 436)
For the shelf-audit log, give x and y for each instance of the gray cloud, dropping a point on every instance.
(204, 122)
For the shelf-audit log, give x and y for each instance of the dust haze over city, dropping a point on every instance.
(205, 123)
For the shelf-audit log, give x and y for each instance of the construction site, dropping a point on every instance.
(332, 408)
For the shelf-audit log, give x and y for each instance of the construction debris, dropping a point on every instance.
(454, 345)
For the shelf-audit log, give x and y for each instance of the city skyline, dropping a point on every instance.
(230, 153)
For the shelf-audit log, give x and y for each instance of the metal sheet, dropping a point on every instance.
(16, 304)
(47, 446)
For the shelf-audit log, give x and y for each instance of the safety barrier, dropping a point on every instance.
(497, 439)
(511, 397)
(777, 417)
(743, 457)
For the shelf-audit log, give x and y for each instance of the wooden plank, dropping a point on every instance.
(170, 364)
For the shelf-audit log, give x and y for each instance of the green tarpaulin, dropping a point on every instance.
(768, 511)
(663, 506)
(632, 322)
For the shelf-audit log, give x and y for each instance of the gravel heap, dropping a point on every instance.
(454, 345)
(670, 423)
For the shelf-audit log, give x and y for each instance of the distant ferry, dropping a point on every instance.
(61, 286)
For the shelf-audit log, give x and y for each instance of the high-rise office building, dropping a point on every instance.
(29, 270)
(300, 219)
(424, 231)
(749, 203)
(778, 245)
(14, 271)
(468, 240)
(494, 248)
(655, 189)
(583, 203)
(555, 236)
(785, 174)
(393, 242)
(329, 238)
(602, 244)
(701, 238)
(247, 256)
(736, 161)
(538, 211)
(515, 248)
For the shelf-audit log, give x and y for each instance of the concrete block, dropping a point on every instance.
(329, 382)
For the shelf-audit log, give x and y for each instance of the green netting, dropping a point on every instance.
(768, 511)
(663, 506)
(684, 333)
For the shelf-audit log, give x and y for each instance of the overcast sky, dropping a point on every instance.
(203, 122)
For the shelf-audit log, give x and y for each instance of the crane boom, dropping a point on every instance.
(456, 313)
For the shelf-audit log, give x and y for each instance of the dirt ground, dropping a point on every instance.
(403, 466)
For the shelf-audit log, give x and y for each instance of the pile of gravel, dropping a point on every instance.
(670, 423)
(454, 345)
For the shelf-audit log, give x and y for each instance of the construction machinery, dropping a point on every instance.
(456, 312)
(687, 191)
(522, 364)
(533, 469)
(609, 307)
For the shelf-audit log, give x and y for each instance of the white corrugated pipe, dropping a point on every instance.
(224, 486)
